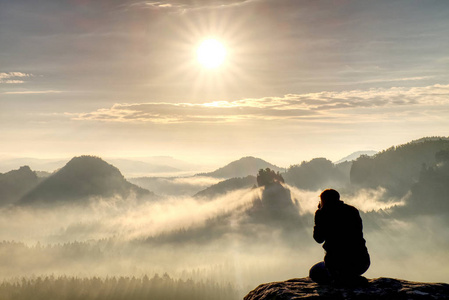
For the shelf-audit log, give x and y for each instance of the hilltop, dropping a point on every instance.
(82, 178)
(355, 155)
(16, 183)
(399, 168)
(241, 168)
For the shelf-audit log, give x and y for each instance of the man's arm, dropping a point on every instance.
(319, 233)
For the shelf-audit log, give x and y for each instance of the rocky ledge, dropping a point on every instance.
(379, 288)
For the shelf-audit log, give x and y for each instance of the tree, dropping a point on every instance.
(267, 177)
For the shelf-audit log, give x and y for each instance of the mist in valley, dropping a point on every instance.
(230, 233)
(211, 240)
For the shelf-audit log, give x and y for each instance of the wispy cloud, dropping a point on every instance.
(12, 77)
(32, 92)
(399, 79)
(183, 5)
(292, 106)
(365, 200)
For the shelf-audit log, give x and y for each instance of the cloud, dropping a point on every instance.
(374, 199)
(366, 200)
(12, 81)
(11, 77)
(183, 5)
(32, 92)
(202, 181)
(312, 106)
(14, 74)
(104, 218)
(416, 78)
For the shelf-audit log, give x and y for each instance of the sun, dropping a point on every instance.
(211, 53)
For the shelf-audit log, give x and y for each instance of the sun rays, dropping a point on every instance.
(211, 53)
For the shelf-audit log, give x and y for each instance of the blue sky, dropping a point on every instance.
(301, 79)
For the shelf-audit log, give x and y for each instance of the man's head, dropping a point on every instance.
(329, 196)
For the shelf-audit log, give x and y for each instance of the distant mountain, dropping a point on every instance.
(172, 162)
(355, 155)
(241, 168)
(398, 168)
(227, 186)
(41, 164)
(128, 166)
(134, 167)
(82, 178)
(174, 186)
(15, 184)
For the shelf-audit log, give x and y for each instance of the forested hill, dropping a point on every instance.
(398, 168)
(318, 173)
(16, 183)
(241, 168)
(81, 178)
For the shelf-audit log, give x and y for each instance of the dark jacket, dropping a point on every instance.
(339, 226)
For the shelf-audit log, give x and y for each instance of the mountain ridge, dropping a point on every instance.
(355, 155)
(242, 167)
(16, 183)
(398, 167)
(83, 177)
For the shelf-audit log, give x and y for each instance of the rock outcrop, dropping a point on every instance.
(380, 288)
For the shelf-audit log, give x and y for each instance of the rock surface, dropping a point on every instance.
(379, 288)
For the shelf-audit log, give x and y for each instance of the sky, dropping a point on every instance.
(301, 78)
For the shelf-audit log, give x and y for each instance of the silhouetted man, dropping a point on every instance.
(339, 226)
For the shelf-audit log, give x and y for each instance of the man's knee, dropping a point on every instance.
(320, 274)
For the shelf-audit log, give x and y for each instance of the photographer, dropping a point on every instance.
(339, 226)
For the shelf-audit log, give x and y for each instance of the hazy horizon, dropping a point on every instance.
(197, 162)
(8, 163)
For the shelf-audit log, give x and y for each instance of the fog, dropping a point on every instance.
(175, 186)
(221, 239)
(366, 200)
(114, 217)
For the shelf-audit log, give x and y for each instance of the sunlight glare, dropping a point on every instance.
(211, 53)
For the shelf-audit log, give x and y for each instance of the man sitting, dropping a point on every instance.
(339, 226)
